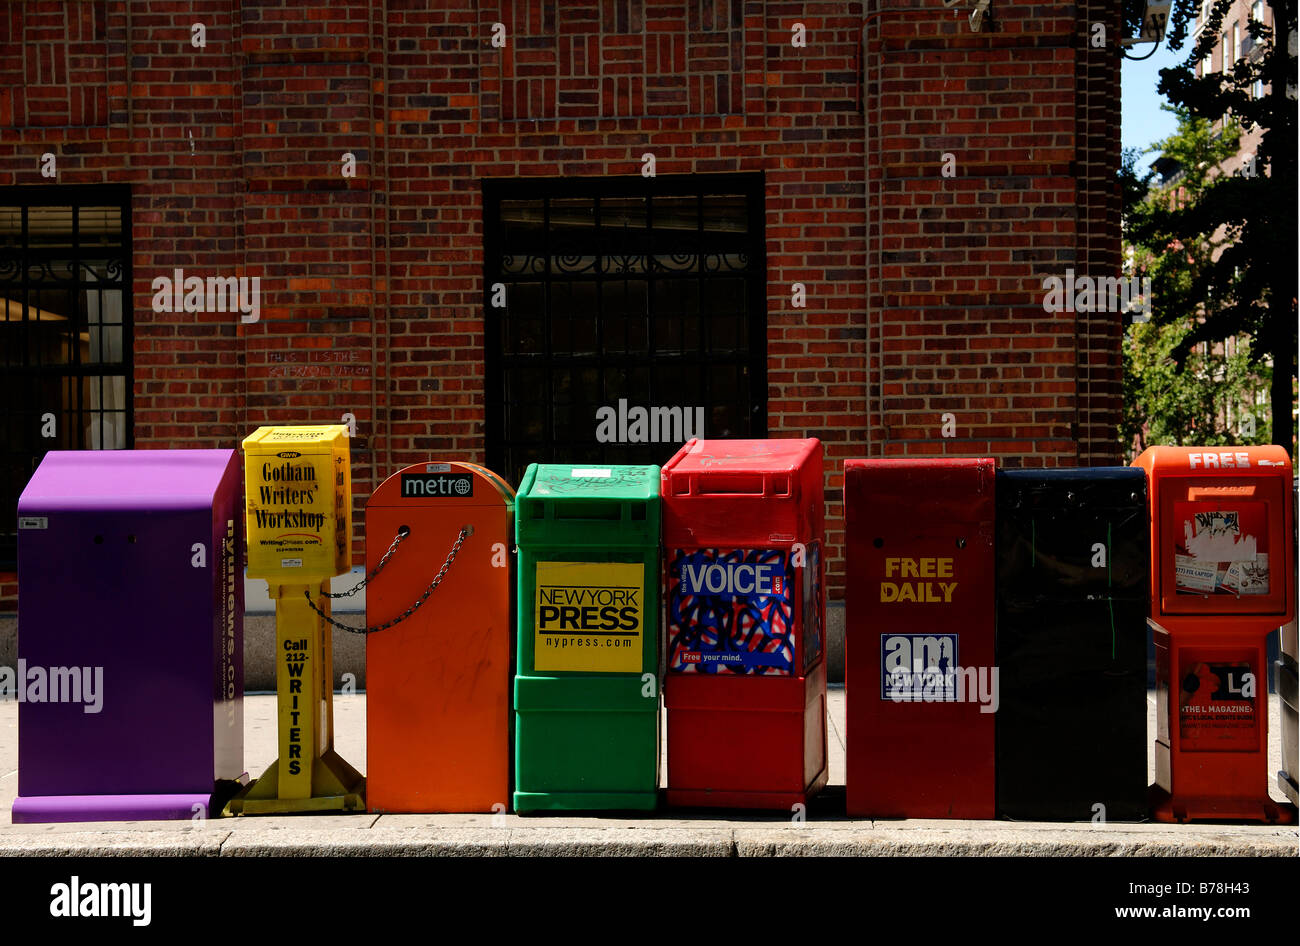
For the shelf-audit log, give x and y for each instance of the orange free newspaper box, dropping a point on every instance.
(438, 680)
(1222, 578)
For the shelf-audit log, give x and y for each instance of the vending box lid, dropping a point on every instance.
(587, 504)
(743, 456)
(744, 493)
(909, 489)
(1074, 488)
(565, 481)
(125, 479)
(320, 435)
(1267, 460)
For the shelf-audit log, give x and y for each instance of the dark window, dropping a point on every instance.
(625, 298)
(65, 331)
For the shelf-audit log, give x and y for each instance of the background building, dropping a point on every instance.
(853, 209)
(1231, 44)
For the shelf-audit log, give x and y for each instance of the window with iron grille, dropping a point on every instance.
(623, 317)
(65, 336)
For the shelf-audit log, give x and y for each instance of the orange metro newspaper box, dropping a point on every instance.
(438, 681)
(1222, 578)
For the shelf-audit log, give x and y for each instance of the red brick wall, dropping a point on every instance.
(923, 292)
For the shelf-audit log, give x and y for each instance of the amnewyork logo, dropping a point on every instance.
(912, 664)
(589, 616)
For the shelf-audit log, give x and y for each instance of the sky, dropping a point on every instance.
(1142, 122)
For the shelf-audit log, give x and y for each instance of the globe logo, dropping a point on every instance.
(462, 486)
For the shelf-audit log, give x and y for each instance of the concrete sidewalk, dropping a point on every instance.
(705, 833)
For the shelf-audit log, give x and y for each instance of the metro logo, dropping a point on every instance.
(1219, 460)
(455, 485)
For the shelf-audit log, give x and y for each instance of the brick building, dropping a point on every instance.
(457, 241)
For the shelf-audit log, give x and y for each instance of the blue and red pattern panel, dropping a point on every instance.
(731, 611)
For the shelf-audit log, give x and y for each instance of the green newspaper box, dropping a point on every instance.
(587, 687)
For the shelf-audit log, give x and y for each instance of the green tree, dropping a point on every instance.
(1192, 402)
(1238, 230)
(1176, 391)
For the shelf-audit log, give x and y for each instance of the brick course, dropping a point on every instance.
(923, 292)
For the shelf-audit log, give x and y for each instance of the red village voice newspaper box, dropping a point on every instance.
(745, 690)
(919, 649)
(1222, 578)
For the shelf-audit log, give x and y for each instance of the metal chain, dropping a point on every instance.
(465, 532)
(402, 532)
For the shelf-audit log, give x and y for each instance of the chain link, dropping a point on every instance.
(402, 533)
(465, 532)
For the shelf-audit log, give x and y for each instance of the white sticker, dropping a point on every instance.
(1217, 537)
(1218, 523)
(437, 468)
(1192, 574)
(1251, 578)
(599, 474)
(291, 563)
(33, 522)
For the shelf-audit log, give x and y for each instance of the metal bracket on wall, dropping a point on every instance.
(977, 13)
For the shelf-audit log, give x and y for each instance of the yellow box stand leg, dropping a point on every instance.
(309, 775)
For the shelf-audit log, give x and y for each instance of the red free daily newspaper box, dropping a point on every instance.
(743, 529)
(919, 650)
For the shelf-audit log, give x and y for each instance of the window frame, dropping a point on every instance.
(76, 196)
(748, 185)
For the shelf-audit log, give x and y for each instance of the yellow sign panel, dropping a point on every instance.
(298, 493)
(925, 591)
(589, 616)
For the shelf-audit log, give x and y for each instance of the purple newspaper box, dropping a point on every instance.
(130, 635)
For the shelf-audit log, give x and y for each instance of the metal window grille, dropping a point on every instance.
(65, 331)
(645, 291)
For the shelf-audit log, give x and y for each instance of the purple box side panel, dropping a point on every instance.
(112, 590)
(228, 625)
(124, 479)
(49, 809)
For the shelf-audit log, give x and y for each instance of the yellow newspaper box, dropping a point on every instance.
(298, 497)
(298, 484)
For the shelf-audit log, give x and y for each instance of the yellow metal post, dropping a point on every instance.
(298, 487)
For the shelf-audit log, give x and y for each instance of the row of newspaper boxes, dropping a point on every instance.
(520, 645)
